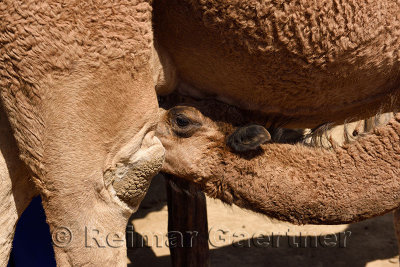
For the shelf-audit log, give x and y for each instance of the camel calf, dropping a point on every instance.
(295, 183)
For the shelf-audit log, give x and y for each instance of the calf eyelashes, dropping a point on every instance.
(182, 125)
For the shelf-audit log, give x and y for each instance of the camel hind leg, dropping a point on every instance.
(16, 188)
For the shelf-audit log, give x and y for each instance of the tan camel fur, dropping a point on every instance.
(304, 62)
(76, 83)
(295, 183)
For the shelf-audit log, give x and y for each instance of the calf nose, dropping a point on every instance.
(248, 138)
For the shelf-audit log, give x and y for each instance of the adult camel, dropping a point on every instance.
(301, 62)
(78, 112)
(295, 63)
(77, 87)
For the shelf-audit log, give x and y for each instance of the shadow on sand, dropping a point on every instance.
(369, 241)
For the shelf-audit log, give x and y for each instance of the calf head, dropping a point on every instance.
(191, 131)
(213, 146)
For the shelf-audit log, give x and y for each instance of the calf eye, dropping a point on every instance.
(183, 126)
(182, 121)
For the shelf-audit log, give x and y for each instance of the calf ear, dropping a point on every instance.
(248, 138)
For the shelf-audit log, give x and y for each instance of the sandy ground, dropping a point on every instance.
(369, 243)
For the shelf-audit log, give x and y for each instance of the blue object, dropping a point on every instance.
(32, 245)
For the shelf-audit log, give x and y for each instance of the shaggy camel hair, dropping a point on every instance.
(295, 183)
(305, 62)
(76, 84)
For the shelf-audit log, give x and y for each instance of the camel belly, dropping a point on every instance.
(302, 63)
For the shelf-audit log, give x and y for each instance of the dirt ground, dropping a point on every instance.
(369, 243)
